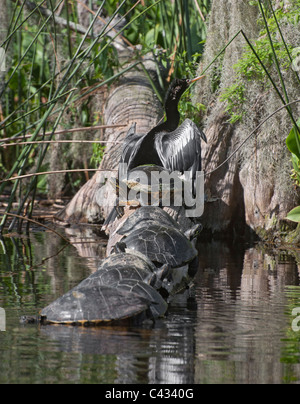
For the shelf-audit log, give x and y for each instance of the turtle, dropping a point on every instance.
(147, 213)
(164, 245)
(90, 304)
(155, 214)
(133, 219)
(123, 288)
(126, 266)
(151, 185)
(134, 189)
(160, 243)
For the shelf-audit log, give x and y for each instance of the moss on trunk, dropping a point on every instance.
(258, 178)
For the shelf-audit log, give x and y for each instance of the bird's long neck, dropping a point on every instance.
(172, 121)
(172, 113)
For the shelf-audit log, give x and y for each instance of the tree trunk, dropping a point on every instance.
(131, 100)
(255, 186)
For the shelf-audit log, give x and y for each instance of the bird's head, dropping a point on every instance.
(178, 87)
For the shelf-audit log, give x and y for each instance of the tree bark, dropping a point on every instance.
(255, 186)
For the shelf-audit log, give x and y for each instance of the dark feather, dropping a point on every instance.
(166, 145)
(180, 150)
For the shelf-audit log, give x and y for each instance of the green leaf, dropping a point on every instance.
(296, 165)
(294, 215)
(291, 141)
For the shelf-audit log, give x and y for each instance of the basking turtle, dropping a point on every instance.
(90, 304)
(155, 215)
(147, 213)
(161, 244)
(122, 289)
(128, 266)
(133, 218)
(164, 245)
(151, 185)
(148, 185)
(93, 305)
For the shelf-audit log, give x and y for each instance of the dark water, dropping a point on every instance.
(236, 326)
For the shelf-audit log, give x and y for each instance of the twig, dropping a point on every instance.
(60, 141)
(199, 9)
(103, 21)
(39, 224)
(49, 103)
(61, 21)
(173, 57)
(60, 8)
(62, 132)
(48, 258)
(79, 170)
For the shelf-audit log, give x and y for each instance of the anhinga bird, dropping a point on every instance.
(167, 145)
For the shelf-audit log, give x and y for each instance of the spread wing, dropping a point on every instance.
(181, 150)
(129, 144)
(138, 149)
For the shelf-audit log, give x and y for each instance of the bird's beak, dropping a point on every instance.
(196, 79)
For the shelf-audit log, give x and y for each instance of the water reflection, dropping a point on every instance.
(234, 327)
(160, 353)
(242, 323)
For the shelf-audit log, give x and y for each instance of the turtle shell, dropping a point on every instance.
(132, 259)
(93, 304)
(158, 305)
(147, 214)
(152, 187)
(122, 266)
(161, 244)
(117, 291)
